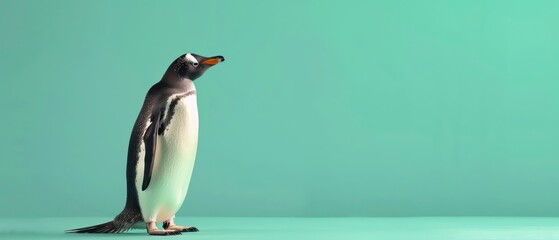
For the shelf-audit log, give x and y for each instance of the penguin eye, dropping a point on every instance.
(195, 64)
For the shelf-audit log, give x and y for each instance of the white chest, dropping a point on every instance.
(173, 163)
(181, 134)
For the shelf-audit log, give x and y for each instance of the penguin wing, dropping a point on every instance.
(150, 141)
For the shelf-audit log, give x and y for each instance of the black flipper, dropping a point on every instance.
(150, 141)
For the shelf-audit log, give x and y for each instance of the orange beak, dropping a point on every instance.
(213, 61)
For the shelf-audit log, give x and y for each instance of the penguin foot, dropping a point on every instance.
(170, 225)
(158, 232)
(152, 230)
(183, 228)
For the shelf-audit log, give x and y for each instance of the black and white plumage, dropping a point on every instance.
(162, 151)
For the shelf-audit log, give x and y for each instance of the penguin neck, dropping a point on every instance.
(187, 85)
(172, 80)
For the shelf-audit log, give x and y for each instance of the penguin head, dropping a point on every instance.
(192, 66)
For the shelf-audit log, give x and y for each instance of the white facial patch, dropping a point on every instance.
(190, 58)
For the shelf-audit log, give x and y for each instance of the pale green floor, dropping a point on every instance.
(429, 228)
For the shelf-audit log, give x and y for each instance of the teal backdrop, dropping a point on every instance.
(323, 108)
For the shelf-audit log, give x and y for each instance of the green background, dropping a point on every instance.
(323, 108)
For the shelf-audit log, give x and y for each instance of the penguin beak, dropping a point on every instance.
(213, 60)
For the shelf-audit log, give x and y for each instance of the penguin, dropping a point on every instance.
(161, 152)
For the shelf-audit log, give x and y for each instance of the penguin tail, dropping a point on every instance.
(122, 222)
(108, 227)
